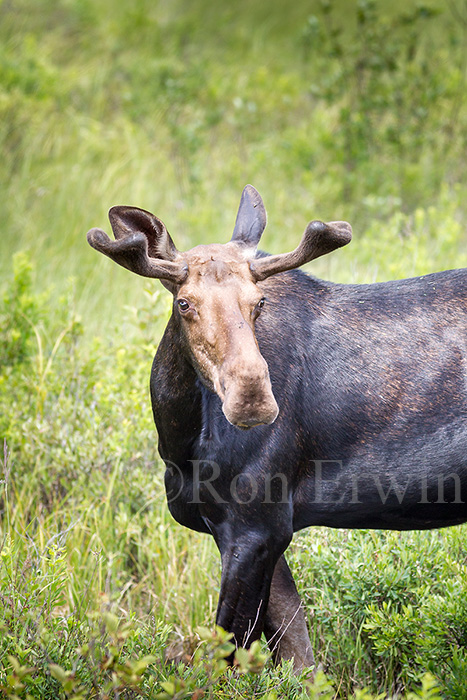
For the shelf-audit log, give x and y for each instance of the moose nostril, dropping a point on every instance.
(246, 415)
(254, 422)
(249, 424)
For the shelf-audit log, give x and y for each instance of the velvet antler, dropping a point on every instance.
(142, 244)
(319, 238)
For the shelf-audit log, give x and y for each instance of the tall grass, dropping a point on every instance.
(332, 109)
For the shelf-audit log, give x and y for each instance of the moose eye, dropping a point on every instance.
(183, 305)
(258, 307)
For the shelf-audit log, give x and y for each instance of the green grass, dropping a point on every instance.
(330, 112)
(333, 110)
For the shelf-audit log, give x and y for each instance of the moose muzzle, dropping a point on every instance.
(247, 396)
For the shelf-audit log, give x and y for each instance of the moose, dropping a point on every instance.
(282, 401)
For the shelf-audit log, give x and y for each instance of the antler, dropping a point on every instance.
(319, 238)
(143, 245)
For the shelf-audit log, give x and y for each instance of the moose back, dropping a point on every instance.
(282, 401)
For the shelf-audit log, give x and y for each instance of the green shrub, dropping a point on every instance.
(334, 110)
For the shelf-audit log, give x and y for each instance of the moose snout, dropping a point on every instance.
(248, 400)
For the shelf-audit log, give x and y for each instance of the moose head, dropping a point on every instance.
(218, 294)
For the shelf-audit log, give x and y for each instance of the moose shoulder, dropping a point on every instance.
(282, 401)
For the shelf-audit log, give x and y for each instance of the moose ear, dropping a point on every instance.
(251, 218)
(142, 244)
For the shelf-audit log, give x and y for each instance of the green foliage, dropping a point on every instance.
(355, 107)
(209, 666)
(97, 582)
(392, 602)
(19, 312)
(333, 109)
(382, 76)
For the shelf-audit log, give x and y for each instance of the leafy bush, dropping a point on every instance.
(387, 606)
(333, 109)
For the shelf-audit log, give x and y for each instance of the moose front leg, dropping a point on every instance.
(285, 624)
(248, 564)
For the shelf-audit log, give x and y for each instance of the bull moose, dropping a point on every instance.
(283, 401)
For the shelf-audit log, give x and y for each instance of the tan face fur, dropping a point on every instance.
(218, 305)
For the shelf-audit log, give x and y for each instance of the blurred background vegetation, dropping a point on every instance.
(333, 109)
